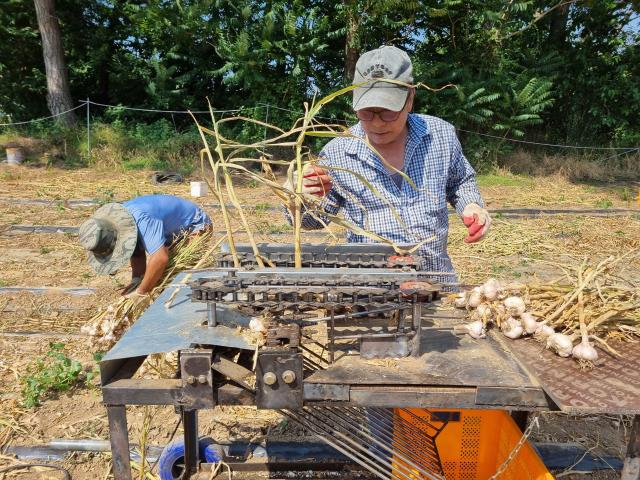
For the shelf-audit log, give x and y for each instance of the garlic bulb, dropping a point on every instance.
(560, 343)
(476, 329)
(512, 328)
(531, 325)
(490, 289)
(475, 298)
(544, 331)
(257, 325)
(484, 312)
(461, 300)
(585, 351)
(515, 306)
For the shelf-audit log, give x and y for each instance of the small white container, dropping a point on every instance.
(15, 155)
(199, 189)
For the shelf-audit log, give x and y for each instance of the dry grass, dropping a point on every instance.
(601, 167)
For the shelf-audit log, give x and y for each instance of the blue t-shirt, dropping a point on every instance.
(162, 218)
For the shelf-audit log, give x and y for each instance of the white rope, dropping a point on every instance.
(43, 118)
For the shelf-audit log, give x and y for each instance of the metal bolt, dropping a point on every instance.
(191, 380)
(288, 376)
(269, 378)
(202, 379)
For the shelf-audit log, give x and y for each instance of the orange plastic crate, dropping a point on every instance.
(475, 443)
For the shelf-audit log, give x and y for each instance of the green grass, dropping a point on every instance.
(261, 207)
(492, 180)
(604, 203)
(274, 228)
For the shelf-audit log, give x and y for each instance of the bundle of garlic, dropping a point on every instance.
(591, 306)
(107, 326)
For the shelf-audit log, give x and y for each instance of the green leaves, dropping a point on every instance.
(524, 107)
(55, 372)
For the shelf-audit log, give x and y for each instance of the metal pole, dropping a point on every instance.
(631, 469)
(190, 425)
(119, 438)
(88, 133)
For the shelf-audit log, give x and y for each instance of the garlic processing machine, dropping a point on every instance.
(348, 345)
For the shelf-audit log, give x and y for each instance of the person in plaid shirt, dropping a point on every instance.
(425, 148)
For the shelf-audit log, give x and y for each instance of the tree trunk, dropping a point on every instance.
(351, 46)
(558, 33)
(58, 93)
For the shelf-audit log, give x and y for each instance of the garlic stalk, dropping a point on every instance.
(560, 343)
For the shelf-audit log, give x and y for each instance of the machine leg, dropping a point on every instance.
(117, 415)
(520, 417)
(190, 424)
(631, 469)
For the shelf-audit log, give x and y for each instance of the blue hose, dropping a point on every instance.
(171, 461)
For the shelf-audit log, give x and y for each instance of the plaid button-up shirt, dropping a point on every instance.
(433, 161)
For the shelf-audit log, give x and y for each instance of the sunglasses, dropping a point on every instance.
(384, 115)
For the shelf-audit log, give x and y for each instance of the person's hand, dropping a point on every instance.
(315, 181)
(477, 221)
(136, 295)
(135, 282)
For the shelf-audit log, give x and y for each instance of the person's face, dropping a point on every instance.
(382, 126)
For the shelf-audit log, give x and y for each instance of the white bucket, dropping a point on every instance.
(15, 155)
(199, 189)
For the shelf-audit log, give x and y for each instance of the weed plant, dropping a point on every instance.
(54, 372)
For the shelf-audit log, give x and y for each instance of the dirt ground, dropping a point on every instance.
(522, 249)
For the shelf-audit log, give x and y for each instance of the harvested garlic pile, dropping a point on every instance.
(494, 304)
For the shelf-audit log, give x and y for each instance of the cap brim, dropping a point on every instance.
(390, 97)
(127, 237)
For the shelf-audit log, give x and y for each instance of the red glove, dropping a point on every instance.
(316, 180)
(477, 221)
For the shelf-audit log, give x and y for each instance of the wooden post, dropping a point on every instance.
(631, 469)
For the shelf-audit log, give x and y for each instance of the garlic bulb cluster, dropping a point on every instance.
(108, 329)
(492, 303)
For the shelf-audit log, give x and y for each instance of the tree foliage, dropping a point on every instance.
(561, 70)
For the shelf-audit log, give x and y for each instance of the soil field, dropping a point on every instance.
(522, 249)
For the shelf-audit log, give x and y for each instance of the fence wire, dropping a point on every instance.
(267, 106)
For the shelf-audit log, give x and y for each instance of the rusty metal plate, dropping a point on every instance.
(612, 386)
